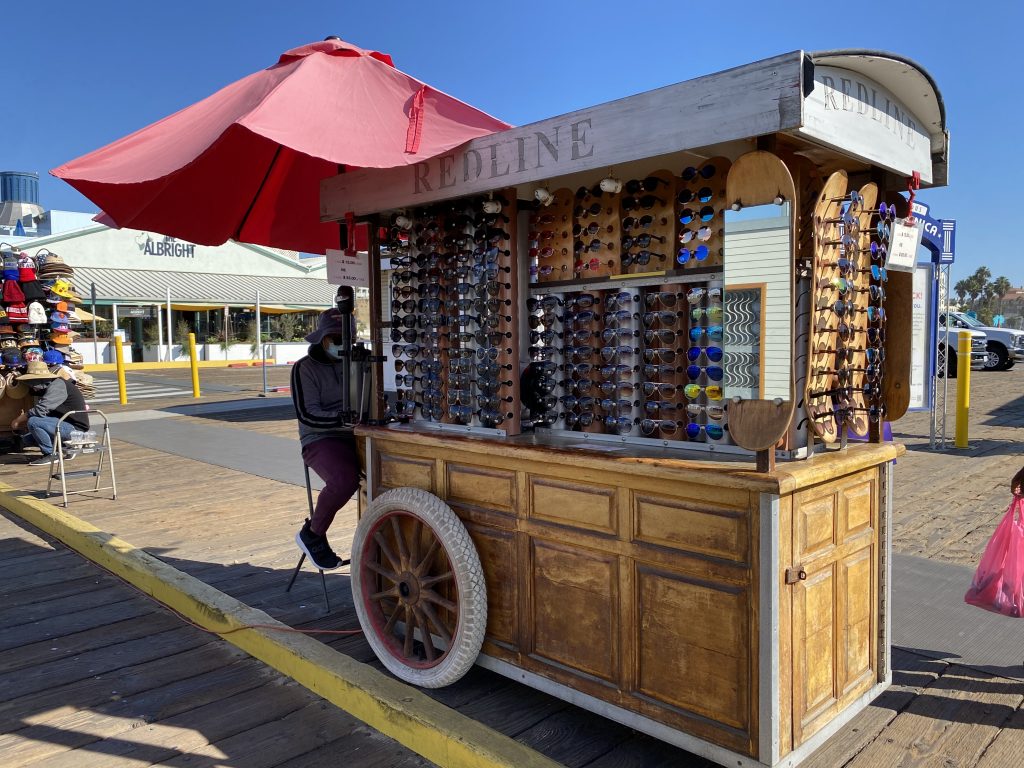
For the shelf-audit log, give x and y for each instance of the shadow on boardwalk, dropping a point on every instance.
(94, 674)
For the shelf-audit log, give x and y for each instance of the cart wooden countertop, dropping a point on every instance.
(729, 470)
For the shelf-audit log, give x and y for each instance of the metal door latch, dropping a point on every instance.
(793, 575)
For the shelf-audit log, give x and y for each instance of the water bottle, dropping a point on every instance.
(79, 437)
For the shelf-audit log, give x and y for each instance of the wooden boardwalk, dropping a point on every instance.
(92, 673)
(235, 530)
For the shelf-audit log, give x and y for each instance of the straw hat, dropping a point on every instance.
(36, 370)
(15, 389)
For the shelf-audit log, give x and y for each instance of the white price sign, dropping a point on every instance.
(903, 245)
(347, 270)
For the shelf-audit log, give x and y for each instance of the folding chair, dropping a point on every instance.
(100, 446)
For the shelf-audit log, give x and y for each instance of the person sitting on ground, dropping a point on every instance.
(55, 396)
(328, 445)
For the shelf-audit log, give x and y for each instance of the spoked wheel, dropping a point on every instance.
(418, 588)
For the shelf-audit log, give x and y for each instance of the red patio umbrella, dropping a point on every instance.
(246, 163)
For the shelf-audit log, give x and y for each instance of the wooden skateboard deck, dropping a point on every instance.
(758, 178)
(860, 255)
(824, 336)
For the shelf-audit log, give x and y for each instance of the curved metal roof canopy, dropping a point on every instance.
(906, 79)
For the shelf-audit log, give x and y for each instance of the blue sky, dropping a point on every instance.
(81, 74)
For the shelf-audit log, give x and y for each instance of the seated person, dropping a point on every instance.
(328, 445)
(55, 396)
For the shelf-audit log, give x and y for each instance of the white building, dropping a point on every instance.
(132, 278)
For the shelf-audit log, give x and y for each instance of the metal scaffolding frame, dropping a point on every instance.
(940, 381)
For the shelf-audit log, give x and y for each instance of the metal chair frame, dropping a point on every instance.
(302, 557)
(102, 446)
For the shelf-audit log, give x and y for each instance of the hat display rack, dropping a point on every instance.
(37, 303)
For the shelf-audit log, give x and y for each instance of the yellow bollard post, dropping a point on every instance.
(194, 363)
(122, 386)
(963, 387)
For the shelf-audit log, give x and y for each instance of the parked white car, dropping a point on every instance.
(1003, 346)
(979, 340)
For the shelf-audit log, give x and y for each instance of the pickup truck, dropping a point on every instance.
(1003, 346)
(979, 344)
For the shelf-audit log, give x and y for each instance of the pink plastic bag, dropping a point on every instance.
(998, 584)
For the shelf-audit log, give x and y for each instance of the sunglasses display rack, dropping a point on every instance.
(596, 233)
(637, 361)
(847, 330)
(699, 209)
(647, 224)
(550, 240)
(852, 282)
(451, 321)
(660, 223)
(540, 406)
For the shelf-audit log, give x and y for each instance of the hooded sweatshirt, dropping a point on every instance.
(316, 394)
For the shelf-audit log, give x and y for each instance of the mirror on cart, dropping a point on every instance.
(756, 302)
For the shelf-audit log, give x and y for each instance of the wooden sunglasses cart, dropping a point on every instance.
(689, 543)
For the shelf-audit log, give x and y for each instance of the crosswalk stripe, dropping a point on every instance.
(107, 391)
(133, 396)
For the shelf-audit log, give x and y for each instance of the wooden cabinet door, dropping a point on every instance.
(835, 606)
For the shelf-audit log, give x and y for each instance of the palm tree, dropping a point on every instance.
(962, 288)
(1000, 287)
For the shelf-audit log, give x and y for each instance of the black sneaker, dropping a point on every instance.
(45, 460)
(317, 549)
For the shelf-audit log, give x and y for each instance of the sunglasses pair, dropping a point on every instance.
(713, 372)
(695, 295)
(702, 195)
(703, 234)
(640, 222)
(704, 172)
(693, 391)
(705, 214)
(713, 431)
(650, 184)
(643, 257)
(712, 332)
(645, 202)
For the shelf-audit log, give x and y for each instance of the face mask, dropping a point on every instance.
(334, 351)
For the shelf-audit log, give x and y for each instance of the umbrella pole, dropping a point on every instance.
(170, 341)
(259, 343)
(95, 341)
(159, 333)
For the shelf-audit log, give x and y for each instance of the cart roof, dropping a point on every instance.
(850, 109)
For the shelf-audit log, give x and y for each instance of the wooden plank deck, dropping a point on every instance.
(92, 673)
(235, 531)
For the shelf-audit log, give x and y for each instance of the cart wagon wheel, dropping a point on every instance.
(418, 588)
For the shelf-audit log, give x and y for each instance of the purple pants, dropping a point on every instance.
(335, 460)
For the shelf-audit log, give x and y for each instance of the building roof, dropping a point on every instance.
(217, 290)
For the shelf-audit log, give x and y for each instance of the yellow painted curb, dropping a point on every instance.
(436, 732)
(177, 364)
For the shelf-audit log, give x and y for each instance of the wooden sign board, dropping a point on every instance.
(841, 109)
(752, 100)
(853, 113)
